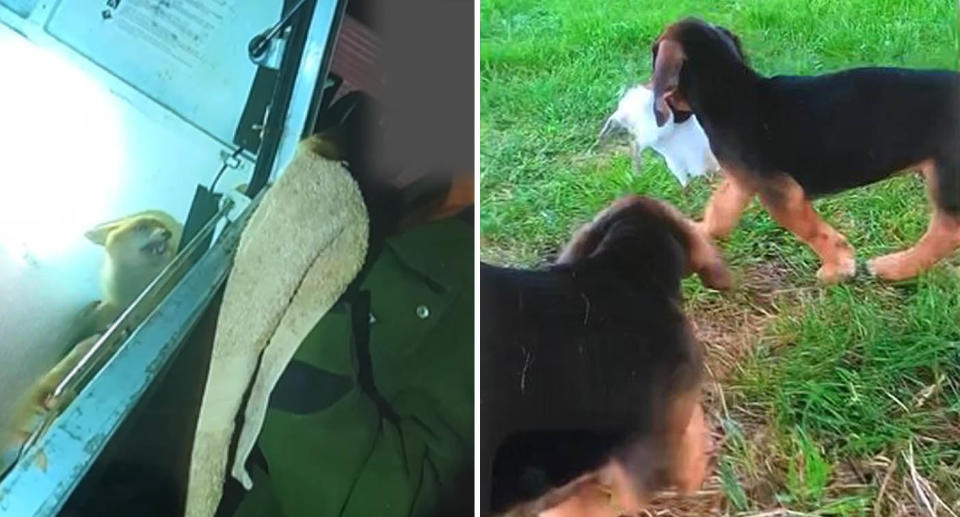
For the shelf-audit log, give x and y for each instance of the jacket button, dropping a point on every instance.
(423, 312)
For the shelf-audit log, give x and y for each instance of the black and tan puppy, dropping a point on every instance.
(590, 373)
(790, 139)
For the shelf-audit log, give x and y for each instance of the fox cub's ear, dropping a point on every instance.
(98, 234)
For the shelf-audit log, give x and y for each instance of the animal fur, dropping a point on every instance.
(589, 369)
(37, 407)
(791, 139)
(138, 247)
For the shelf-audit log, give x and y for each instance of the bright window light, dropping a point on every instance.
(61, 151)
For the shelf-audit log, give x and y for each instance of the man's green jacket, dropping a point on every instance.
(378, 425)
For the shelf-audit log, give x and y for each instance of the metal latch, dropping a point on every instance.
(233, 200)
(266, 48)
(235, 203)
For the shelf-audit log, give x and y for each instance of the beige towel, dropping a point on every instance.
(301, 248)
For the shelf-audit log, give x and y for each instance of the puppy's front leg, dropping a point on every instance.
(725, 207)
(689, 441)
(789, 206)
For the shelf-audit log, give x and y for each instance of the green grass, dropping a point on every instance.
(834, 385)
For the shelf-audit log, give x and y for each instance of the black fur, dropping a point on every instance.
(578, 360)
(829, 132)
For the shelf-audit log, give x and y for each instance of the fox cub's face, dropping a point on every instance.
(142, 240)
(145, 239)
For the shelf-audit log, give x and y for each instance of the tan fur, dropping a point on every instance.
(607, 493)
(789, 206)
(725, 207)
(564, 497)
(940, 241)
(688, 438)
(138, 247)
(703, 258)
(787, 203)
(591, 499)
(611, 492)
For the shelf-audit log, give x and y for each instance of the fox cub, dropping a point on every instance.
(138, 247)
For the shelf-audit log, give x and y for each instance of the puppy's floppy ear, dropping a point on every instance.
(703, 258)
(667, 61)
(582, 244)
(586, 239)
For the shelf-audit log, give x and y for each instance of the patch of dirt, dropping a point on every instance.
(730, 328)
(767, 282)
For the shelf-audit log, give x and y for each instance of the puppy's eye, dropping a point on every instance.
(142, 227)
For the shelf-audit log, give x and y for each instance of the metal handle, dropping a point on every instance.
(258, 45)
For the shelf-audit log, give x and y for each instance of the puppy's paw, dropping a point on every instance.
(835, 273)
(892, 267)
